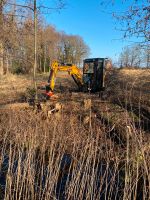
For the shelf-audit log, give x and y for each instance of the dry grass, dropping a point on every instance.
(136, 79)
(63, 158)
(12, 87)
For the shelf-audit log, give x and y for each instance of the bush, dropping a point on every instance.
(17, 68)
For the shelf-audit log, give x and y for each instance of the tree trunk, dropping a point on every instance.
(1, 59)
(44, 59)
(35, 49)
(7, 63)
(1, 39)
(40, 64)
(148, 59)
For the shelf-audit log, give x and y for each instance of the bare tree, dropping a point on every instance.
(124, 57)
(1, 38)
(72, 49)
(48, 45)
(134, 57)
(135, 21)
(147, 57)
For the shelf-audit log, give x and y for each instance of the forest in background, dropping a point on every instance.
(134, 56)
(17, 41)
(17, 48)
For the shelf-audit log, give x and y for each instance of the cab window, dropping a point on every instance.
(89, 67)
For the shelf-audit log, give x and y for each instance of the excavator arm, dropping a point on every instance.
(72, 70)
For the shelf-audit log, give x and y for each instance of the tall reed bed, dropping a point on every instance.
(60, 158)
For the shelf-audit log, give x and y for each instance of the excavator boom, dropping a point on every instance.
(72, 70)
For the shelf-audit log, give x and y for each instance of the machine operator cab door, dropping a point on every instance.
(93, 74)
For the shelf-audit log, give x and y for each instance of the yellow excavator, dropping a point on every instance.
(92, 78)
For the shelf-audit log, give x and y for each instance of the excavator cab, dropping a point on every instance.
(93, 74)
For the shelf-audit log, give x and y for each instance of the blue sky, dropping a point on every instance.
(94, 23)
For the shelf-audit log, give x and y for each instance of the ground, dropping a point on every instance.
(108, 131)
(127, 88)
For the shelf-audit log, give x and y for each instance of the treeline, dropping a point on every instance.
(135, 57)
(17, 42)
